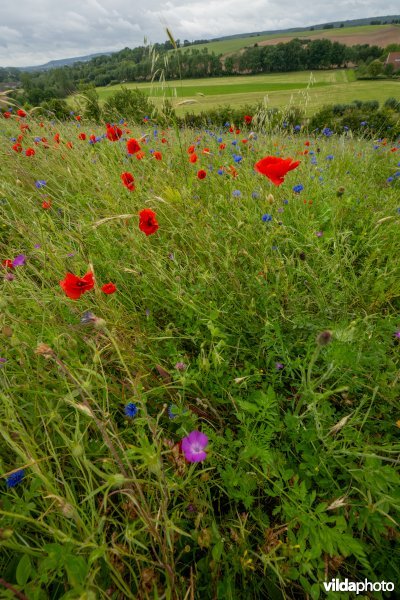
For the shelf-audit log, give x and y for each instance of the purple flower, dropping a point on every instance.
(19, 260)
(2, 361)
(193, 446)
(397, 334)
(319, 233)
(278, 366)
(40, 183)
(180, 366)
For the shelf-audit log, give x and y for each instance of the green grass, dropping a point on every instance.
(305, 89)
(287, 325)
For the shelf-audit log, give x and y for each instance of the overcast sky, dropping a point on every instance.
(33, 32)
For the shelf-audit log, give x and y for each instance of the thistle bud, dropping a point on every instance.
(324, 338)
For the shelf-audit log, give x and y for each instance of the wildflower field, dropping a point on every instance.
(199, 361)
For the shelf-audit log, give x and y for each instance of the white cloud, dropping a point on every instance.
(42, 30)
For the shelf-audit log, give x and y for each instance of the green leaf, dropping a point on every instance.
(217, 550)
(76, 568)
(24, 570)
(315, 591)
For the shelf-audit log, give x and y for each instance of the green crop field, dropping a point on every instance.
(309, 90)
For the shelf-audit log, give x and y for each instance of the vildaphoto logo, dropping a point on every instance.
(335, 585)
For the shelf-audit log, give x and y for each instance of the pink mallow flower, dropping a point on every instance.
(193, 446)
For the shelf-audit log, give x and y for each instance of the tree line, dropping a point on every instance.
(144, 63)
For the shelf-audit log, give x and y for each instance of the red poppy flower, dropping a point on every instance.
(109, 288)
(191, 149)
(75, 286)
(57, 138)
(21, 113)
(78, 117)
(46, 204)
(275, 168)
(193, 157)
(113, 132)
(157, 155)
(201, 174)
(24, 127)
(69, 145)
(6, 114)
(7, 264)
(128, 181)
(132, 146)
(140, 155)
(148, 223)
(82, 136)
(248, 119)
(17, 147)
(30, 152)
(222, 146)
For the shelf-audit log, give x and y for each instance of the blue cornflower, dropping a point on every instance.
(171, 413)
(266, 218)
(15, 478)
(220, 171)
(40, 183)
(330, 157)
(345, 127)
(236, 193)
(130, 410)
(363, 123)
(37, 139)
(234, 142)
(88, 317)
(284, 124)
(219, 140)
(285, 201)
(298, 188)
(121, 121)
(255, 195)
(237, 158)
(297, 127)
(327, 132)
(389, 179)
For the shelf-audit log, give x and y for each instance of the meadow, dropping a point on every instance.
(305, 89)
(199, 361)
